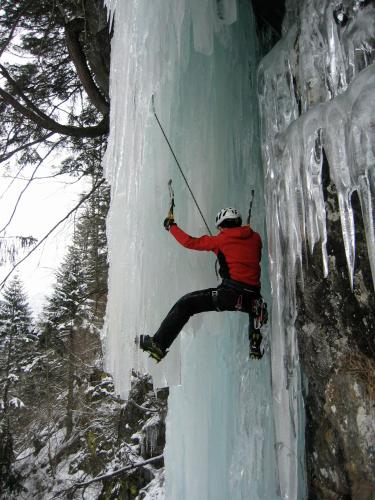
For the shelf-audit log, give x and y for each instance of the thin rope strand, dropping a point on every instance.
(179, 166)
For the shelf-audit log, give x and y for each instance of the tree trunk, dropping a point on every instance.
(47, 123)
(6, 439)
(72, 32)
(70, 399)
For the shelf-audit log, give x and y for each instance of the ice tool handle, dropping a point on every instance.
(177, 162)
(171, 199)
(250, 206)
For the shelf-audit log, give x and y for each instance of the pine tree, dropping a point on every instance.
(54, 90)
(64, 314)
(16, 333)
(80, 290)
(91, 238)
(59, 66)
(75, 310)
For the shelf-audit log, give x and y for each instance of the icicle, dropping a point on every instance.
(315, 92)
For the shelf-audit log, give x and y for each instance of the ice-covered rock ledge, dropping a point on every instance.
(317, 96)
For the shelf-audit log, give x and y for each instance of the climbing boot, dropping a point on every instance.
(255, 338)
(147, 344)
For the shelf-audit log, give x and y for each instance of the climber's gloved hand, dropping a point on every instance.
(169, 222)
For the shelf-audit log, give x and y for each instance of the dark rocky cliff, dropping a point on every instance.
(336, 342)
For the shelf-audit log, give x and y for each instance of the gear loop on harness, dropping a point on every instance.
(238, 305)
(215, 299)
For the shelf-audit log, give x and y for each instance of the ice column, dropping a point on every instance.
(198, 58)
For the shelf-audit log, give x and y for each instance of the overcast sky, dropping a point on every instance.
(44, 203)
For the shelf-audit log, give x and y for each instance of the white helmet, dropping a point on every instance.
(225, 214)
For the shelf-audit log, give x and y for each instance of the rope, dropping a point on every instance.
(178, 164)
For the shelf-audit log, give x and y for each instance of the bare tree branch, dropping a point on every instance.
(72, 31)
(28, 184)
(42, 177)
(49, 124)
(13, 29)
(6, 156)
(83, 199)
(115, 473)
(143, 408)
(21, 94)
(11, 183)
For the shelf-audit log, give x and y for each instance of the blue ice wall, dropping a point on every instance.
(199, 59)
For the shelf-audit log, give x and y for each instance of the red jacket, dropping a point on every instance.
(241, 248)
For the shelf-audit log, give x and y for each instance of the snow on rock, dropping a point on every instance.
(155, 490)
(16, 403)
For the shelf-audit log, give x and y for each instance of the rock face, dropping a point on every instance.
(336, 343)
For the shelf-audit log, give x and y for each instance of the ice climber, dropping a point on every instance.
(238, 249)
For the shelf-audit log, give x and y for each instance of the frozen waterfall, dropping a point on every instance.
(199, 59)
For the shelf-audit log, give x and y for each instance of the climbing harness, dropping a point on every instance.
(178, 163)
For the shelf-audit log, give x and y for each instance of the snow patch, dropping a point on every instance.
(155, 490)
(324, 473)
(366, 425)
(16, 403)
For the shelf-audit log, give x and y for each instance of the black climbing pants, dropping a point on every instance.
(229, 296)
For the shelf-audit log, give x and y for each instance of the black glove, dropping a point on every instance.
(169, 222)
